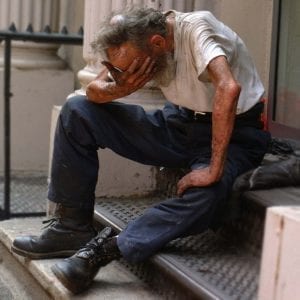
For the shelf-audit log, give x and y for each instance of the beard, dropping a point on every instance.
(165, 70)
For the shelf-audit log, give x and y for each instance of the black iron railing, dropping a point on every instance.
(7, 36)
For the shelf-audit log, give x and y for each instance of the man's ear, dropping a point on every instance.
(158, 43)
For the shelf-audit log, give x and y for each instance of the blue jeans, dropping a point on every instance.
(169, 138)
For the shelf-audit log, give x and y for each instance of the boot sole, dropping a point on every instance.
(34, 255)
(70, 285)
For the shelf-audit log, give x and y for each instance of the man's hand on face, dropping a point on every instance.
(135, 77)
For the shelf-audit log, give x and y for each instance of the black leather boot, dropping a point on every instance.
(77, 272)
(67, 231)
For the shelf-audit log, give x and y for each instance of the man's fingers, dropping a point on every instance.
(143, 79)
(144, 66)
(150, 67)
(143, 69)
(133, 66)
(181, 189)
(134, 75)
(183, 184)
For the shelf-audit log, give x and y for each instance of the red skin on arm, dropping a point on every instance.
(227, 91)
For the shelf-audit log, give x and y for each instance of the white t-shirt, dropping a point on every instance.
(198, 38)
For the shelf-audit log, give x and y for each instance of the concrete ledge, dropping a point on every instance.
(15, 281)
(33, 279)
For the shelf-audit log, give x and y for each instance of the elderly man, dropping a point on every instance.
(210, 125)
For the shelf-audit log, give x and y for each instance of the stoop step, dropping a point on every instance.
(212, 265)
(24, 279)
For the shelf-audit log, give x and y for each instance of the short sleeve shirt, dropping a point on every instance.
(198, 38)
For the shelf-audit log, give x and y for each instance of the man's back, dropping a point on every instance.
(199, 38)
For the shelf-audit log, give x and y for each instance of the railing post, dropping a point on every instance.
(7, 95)
(8, 36)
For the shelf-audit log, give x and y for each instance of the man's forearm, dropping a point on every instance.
(224, 112)
(222, 124)
(101, 91)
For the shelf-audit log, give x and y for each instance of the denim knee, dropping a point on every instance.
(74, 103)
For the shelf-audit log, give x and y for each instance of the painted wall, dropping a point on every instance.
(288, 89)
(252, 20)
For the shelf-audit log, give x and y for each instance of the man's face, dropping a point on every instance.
(122, 57)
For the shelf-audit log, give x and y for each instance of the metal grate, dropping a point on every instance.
(225, 268)
(218, 266)
(28, 194)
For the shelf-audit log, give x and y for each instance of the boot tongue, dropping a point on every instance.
(90, 249)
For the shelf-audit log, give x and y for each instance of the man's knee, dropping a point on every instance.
(76, 119)
(75, 103)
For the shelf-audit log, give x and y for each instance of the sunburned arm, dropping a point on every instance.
(224, 111)
(227, 91)
(102, 89)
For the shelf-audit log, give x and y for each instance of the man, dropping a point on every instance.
(211, 125)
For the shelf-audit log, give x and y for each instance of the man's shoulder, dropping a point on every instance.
(194, 16)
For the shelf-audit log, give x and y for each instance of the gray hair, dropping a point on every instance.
(134, 25)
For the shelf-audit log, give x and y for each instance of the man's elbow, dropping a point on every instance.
(229, 91)
(233, 90)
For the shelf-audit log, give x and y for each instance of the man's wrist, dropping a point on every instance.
(216, 172)
(105, 91)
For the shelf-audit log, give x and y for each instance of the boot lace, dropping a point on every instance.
(94, 247)
(51, 222)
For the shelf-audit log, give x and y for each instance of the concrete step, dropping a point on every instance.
(205, 266)
(23, 279)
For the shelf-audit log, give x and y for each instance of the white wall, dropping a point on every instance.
(252, 20)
